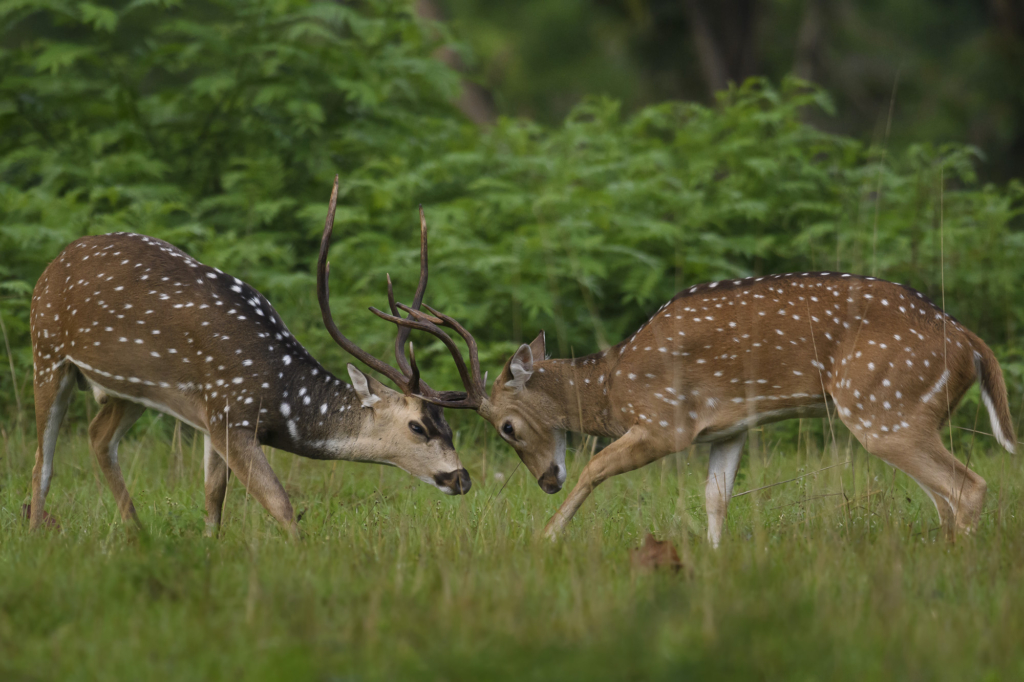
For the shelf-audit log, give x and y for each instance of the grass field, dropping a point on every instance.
(836, 576)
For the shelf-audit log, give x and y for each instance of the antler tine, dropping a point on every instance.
(403, 332)
(418, 320)
(415, 367)
(420, 315)
(323, 274)
(415, 385)
(474, 358)
(475, 385)
(421, 288)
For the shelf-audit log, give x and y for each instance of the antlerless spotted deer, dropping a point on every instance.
(145, 325)
(722, 357)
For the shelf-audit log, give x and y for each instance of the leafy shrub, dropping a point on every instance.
(219, 127)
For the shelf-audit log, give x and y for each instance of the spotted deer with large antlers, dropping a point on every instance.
(143, 324)
(722, 357)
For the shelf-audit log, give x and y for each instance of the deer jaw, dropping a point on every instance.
(406, 432)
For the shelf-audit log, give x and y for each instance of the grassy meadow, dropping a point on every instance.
(837, 575)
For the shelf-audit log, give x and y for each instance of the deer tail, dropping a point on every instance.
(993, 394)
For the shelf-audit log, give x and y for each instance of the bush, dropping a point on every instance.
(219, 127)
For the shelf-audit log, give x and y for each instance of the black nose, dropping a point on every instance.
(549, 482)
(457, 481)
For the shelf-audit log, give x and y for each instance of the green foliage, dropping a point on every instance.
(219, 127)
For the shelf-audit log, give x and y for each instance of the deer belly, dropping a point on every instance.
(163, 398)
(730, 425)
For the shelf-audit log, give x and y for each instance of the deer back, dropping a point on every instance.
(145, 321)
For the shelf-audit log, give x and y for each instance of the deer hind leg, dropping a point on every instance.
(52, 397)
(215, 472)
(113, 421)
(629, 452)
(722, 467)
(249, 464)
(951, 481)
(957, 492)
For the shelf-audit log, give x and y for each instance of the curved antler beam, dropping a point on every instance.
(408, 382)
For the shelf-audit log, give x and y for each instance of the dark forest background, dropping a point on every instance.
(946, 70)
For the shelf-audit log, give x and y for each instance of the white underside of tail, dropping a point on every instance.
(998, 428)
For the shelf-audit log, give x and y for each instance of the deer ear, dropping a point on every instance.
(539, 347)
(519, 368)
(362, 384)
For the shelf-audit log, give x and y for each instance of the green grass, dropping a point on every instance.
(395, 581)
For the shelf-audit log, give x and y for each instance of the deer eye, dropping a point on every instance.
(507, 429)
(417, 429)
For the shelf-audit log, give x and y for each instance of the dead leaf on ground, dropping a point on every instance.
(655, 554)
(48, 520)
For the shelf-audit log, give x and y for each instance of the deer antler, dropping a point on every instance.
(408, 378)
(476, 392)
(421, 288)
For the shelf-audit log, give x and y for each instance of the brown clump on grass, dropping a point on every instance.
(655, 554)
(49, 520)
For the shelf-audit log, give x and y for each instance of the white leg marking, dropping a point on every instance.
(53, 422)
(208, 454)
(722, 467)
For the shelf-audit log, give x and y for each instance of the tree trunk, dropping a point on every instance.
(475, 102)
(712, 65)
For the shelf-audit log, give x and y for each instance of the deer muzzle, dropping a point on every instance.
(454, 482)
(551, 480)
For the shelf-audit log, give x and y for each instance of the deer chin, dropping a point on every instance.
(455, 482)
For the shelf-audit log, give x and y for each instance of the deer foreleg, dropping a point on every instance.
(115, 418)
(722, 467)
(249, 464)
(630, 452)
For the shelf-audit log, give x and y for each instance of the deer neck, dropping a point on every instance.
(580, 388)
(317, 416)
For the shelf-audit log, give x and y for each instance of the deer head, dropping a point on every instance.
(402, 428)
(529, 413)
